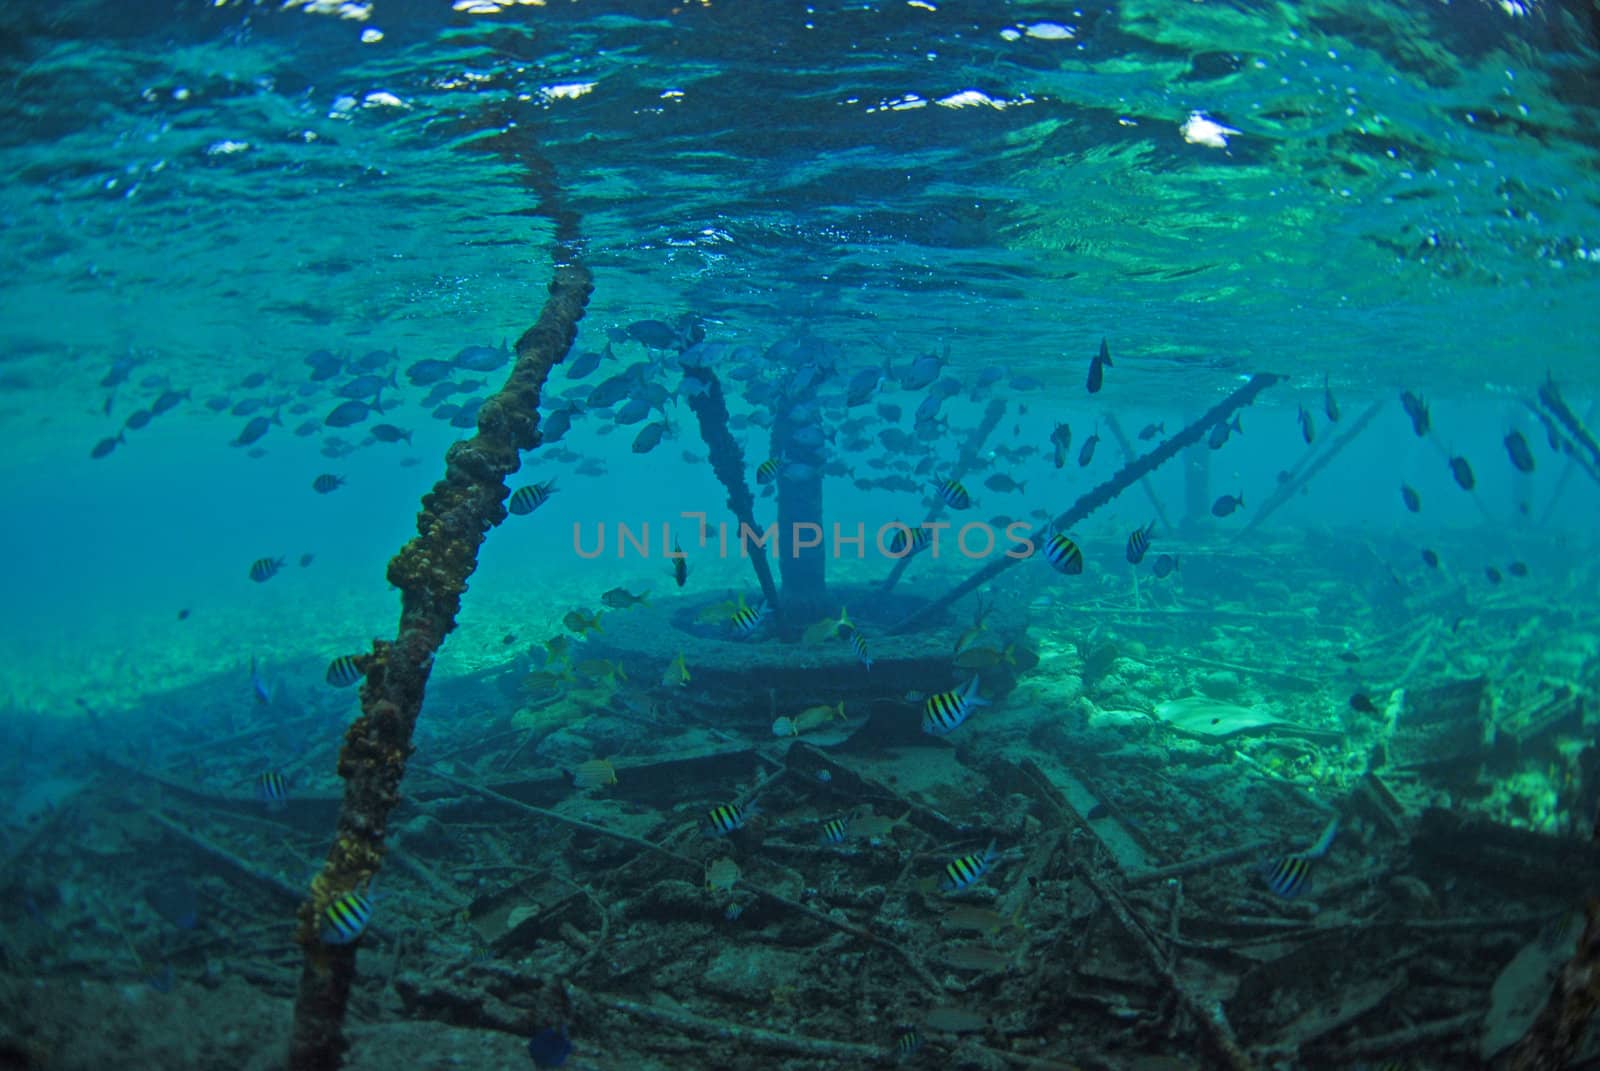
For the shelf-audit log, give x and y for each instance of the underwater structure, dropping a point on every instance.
(431, 572)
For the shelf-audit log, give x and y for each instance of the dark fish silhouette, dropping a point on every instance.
(1417, 410)
(1097, 366)
(1225, 505)
(1220, 432)
(256, 428)
(1463, 473)
(1517, 448)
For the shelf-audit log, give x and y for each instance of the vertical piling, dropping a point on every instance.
(431, 574)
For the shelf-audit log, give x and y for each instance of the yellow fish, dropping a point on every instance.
(595, 773)
(984, 657)
(721, 874)
(816, 717)
(826, 629)
(600, 669)
(677, 673)
(581, 621)
(720, 612)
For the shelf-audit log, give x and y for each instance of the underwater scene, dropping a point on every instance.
(629, 535)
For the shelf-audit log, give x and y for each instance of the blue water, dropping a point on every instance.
(1363, 200)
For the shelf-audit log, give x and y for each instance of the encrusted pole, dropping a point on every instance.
(727, 461)
(431, 572)
(799, 481)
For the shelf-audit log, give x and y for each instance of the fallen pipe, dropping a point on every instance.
(1302, 476)
(1092, 500)
(431, 572)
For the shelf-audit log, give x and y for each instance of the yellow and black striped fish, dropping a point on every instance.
(906, 1042)
(1063, 554)
(952, 494)
(346, 918)
(746, 620)
(968, 870)
(343, 671)
(943, 712)
(273, 788)
(1289, 875)
(767, 471)
(525, 500)
(1139, 542)
(264, 569)
(727, 817)
(903, 544)
(858, 644)
(834, 830)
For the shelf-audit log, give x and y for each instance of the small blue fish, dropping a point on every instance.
(966, 871)
(258, 684)
(273, 789)
(347, 414)
(104, 447)
(256, 428)
(346, 918)
(1097, 366)
(427, 373)
(1227, 504)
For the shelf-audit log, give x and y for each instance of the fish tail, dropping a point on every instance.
(1324, 842)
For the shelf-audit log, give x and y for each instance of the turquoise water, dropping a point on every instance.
(1364, 200)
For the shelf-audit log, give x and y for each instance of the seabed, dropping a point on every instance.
(1141, 757)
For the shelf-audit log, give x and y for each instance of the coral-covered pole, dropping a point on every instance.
(727, 461)
(1126, 477)
(431, 572)
(804, 569)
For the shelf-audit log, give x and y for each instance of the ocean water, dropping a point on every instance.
(1363, 201)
